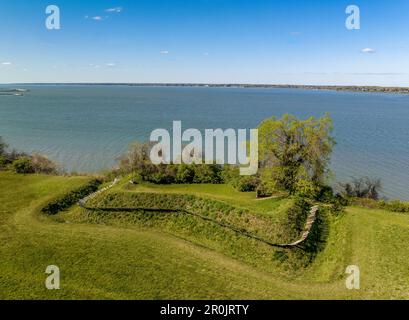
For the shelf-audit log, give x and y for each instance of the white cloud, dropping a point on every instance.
(6, 63)
(368, 50)
(114, 10)
(164, 52)
(111, 64)
(97, 18)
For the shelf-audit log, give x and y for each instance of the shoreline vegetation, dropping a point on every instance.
(364, 89)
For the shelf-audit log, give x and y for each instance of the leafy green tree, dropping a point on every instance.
(292, 150)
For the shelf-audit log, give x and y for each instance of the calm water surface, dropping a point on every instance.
(86, 128)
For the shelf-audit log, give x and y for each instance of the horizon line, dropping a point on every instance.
(208, 84)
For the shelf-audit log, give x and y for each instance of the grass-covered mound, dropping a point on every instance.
(272, 228)
(251, 231)
(122, 260)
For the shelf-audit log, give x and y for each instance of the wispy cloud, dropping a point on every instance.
(111, 64)
(295, 33)
(368, 50)
(97, 18)
(6, 63)
(164, 52)
(114, 10)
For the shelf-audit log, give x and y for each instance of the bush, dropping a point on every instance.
(3, 162)
(185, 174)
(326, 194)
(43, 165)
(208, 173)
(246, 184)
(23, 166)
(306, 189)
(265, 189)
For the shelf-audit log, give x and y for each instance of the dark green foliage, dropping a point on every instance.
(297, 217)
(185, 174)
(326, 194)
(319, 233)
(264, 191)
(71, 198)
(210, 174)
(136, 161)
(23, 166)
(231, 175)
(246, 183)
(179, 174)
(3, 162)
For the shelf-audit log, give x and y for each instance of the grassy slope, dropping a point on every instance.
(103, 261)
(219, 192)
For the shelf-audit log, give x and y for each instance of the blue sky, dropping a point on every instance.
(212, 41)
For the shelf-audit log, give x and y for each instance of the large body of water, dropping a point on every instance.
(85, 128)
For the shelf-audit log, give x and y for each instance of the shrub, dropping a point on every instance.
(306, 189)
(43, 165)
(265, 189)
(23, 166)
(3, 162)
(246, 184)
(208, 173)
(185, 174)
(396, 206)
(326, 194)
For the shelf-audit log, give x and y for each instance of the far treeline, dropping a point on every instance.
(294, 158)
(375, 89)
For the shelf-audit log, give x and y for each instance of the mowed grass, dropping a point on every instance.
(115, 262)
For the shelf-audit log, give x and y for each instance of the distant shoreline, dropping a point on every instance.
(370, 89)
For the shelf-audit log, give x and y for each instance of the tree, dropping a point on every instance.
(136, 158)
(291, 150)
(368, 188)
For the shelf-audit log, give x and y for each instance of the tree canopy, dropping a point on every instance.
(295, 153)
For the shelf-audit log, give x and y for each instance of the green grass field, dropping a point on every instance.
(137, 256)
